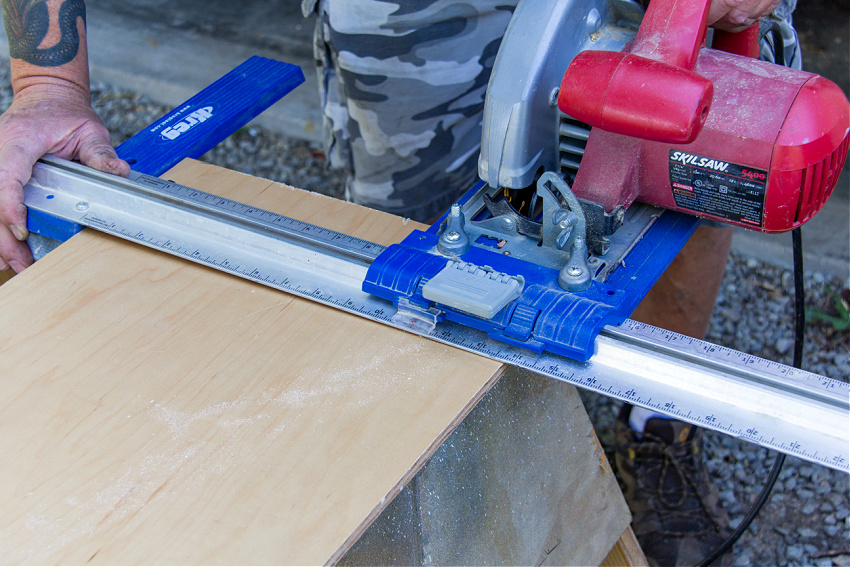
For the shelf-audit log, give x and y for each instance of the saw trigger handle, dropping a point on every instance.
(650, 90)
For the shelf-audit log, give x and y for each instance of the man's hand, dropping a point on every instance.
(50, 119)
(51, 113)
(738, 15)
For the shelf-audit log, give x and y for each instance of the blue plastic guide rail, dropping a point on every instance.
(761, 401)
(194, 127)
(685, 378)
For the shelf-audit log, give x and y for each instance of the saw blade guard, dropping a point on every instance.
(522, 122)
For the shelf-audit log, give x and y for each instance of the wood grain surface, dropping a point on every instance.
(155, 411)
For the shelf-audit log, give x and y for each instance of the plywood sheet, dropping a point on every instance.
(627, 552)
(154, 411)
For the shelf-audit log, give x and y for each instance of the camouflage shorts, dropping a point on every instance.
(402, 89)
(783, 19)
(403, 93)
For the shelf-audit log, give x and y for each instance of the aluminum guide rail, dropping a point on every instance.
(770, 404)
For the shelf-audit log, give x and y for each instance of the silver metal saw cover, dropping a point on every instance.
(521, 117)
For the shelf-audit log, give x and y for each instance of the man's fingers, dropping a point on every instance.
(13, 213)
(765, 8)
(739, 18)
(16, 163)
(99, 154)
(720, 8)
(14, 253)
(108, 162)
(738, 15)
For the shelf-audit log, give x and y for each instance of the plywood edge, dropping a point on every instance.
(415, 468)
(626, 552)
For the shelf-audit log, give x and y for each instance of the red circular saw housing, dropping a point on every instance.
(707, 132)
(767, 157)
(809, 152)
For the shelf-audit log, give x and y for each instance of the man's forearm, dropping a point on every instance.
(47, 42)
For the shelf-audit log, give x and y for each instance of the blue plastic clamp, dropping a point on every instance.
(194, 127)
(544, 316)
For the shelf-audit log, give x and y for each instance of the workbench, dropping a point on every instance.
(156, 411)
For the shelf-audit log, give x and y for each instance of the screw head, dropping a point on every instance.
(82, 206)
(593, 21)
(452, 236)
(574, 271)
(508, 223)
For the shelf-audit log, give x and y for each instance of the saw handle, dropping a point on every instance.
(649, 91)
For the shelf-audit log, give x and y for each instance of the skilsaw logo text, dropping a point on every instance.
(697, 161)
(184, 125)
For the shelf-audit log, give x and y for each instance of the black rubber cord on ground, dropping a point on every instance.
(799, 342)
(799, 298)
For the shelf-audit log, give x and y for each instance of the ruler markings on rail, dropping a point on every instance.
(807, 391)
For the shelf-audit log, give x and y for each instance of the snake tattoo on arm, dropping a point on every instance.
(27, 24)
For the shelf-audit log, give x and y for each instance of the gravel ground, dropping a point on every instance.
(806, 521)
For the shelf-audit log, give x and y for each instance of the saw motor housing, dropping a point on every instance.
(702, 131)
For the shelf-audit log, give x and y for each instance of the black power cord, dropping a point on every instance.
(769, 26)
(799, 342)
